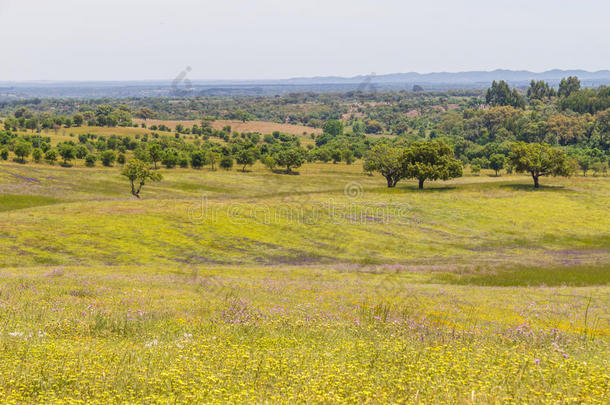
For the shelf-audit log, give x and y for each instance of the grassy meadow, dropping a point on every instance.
(232, 287)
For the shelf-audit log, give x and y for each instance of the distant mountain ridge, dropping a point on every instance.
(436, 81)
(459, 77)
(474, 76)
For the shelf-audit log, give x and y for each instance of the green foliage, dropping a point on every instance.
(108, 158)
(539, 160)
(388, 161)
(138, 174)
(600, 167)
(198, 159)
(37, 155)
(67, 152)
(291, 158)
(183, 161)
(245, 157)
(269, 162)
(587, 100)
(213, 158)
(500, 94)
(90, 160)
(373, 127)
(431, 160)
(333, 127)
(335, 156)
(568, 86)
(348, 156)
(170, 158)
(496, 162)
(540, 90)
(226, 162)
(155, 153)
(22, 150)
(51, 156)
(81, 152)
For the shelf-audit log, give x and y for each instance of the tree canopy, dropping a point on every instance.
(539, 160)
(432, 160)
(138, 174)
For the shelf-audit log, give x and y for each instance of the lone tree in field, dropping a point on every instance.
(386, 160)
(138, 173)
(431, 160)
(539, 160)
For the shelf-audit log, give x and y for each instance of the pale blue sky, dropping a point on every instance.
(258, 39)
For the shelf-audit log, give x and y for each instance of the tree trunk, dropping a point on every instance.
(390, 182)
(535, 180)
(421, 184)
(133, 190)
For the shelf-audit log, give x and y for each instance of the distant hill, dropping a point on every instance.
(439, 81)
(472, 77)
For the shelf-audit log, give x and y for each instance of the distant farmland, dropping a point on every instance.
(263, 127)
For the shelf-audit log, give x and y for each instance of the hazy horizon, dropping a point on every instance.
(272, 79)
(68, 40)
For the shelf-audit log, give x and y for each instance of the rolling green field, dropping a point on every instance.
(325, 287)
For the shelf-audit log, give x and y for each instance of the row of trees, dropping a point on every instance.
(434, 160)
(500, 94)
(422, 161)
(65, 151)
(103, 115)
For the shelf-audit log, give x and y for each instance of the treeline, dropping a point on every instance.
(309, 109)
(216, 148)
(103, 115)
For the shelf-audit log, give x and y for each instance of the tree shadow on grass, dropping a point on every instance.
(290, 173)
(407, 188)
(530, 187)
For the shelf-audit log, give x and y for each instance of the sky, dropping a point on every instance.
(273, 39)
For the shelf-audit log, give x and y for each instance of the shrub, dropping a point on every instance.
(108, 158)
(37, 155)
(90, 160)
(67, 152)
(226, 162)
(269, 162)
(170, 158)
(183, 161)
(81, 152)
(23, 150)
(51, 156)
(198, 159)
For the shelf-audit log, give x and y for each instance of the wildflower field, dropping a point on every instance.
(230, 287)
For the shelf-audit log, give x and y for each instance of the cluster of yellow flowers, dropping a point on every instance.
(89, 336)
